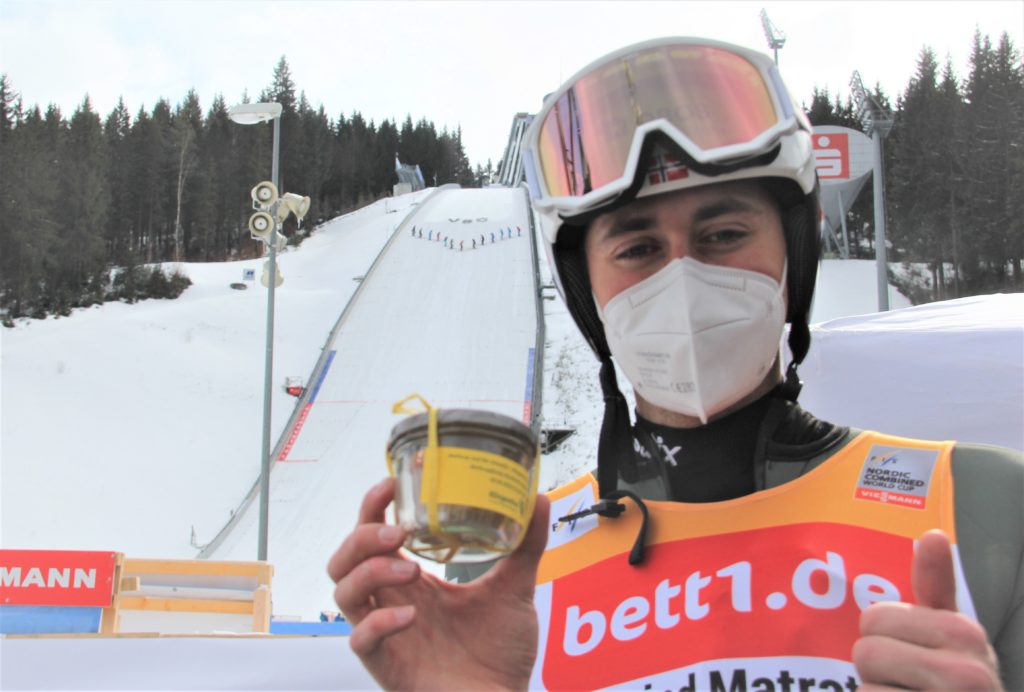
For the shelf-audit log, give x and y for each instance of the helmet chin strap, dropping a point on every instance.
(799, 343)
(615, 445)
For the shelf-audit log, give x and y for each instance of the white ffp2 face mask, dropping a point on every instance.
(696, 338)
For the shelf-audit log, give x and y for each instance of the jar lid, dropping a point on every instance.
(486, 422)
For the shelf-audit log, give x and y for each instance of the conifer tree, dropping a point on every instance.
(917, 181)
(992, 122)
(84, 205)
(185, 127)
(10, 107)
(116, 132)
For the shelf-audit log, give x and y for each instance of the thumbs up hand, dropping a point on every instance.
(928, 645)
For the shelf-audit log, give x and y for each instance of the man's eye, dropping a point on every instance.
(724, 236)
(638, 251)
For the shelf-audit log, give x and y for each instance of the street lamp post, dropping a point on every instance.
(877, 120)
(253, 114)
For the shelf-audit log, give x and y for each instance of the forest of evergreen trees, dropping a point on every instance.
(954, 172)
(87, 202)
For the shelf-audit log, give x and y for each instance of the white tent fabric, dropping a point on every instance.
(945, 370)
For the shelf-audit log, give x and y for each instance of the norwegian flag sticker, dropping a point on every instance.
(665, 168)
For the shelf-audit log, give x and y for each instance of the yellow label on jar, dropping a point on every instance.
(484, 480)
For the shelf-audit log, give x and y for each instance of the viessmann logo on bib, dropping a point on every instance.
(897, 476)
(754, 595)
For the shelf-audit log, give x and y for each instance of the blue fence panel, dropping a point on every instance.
(49, 619)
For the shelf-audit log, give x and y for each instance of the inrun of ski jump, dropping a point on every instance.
(427, 291)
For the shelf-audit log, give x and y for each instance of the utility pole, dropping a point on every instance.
(776, 37)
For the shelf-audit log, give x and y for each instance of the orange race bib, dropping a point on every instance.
(759, 593)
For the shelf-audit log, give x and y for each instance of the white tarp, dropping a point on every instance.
(946, 370)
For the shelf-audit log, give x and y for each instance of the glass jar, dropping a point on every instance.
(469, 496)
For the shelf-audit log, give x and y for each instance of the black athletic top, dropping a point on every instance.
(731, 456)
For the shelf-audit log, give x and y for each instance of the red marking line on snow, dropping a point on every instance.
(283, 456)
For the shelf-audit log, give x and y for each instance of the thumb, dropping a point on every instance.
(931, 573)
(518, 572)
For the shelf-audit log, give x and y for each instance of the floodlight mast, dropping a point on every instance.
(776, 37)
(254, 114)
(877, 121)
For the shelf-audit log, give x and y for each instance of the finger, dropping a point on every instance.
(367, 635)
(371, 511)
(366, 541)
(899, 664)
(376, 501)
(925, 627)
(931, 573)
(354, 593)
(518, 572)
(887, 661)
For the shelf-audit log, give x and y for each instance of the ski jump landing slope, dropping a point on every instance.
(422, 321)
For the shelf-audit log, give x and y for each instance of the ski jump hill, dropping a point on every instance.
(460, 258)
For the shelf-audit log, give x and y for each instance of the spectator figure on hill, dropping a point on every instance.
(460, 245)
(474, 243)
(430, 234)
(492, 237)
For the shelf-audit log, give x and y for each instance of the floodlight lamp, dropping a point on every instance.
(298, 204)
(254, 113)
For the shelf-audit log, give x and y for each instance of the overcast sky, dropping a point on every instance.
(473, 64)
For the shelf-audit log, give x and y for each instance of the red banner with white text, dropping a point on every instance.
(57, 577)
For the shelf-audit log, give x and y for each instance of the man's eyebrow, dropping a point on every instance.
(628, 223)
(726, 205)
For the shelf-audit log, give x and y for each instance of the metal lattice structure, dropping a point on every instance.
(510, 170)
(776, 37)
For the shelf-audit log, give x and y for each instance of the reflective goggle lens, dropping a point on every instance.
(713, 96)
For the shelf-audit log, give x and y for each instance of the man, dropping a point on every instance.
(729, 539)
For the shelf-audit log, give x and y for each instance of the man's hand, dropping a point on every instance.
(413, 630)
(927, 646)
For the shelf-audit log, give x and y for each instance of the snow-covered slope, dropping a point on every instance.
(456, 326)
(125, 427)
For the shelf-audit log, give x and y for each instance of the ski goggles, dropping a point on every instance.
(723, 105)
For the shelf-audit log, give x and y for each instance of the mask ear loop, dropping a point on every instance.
(431, 476)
